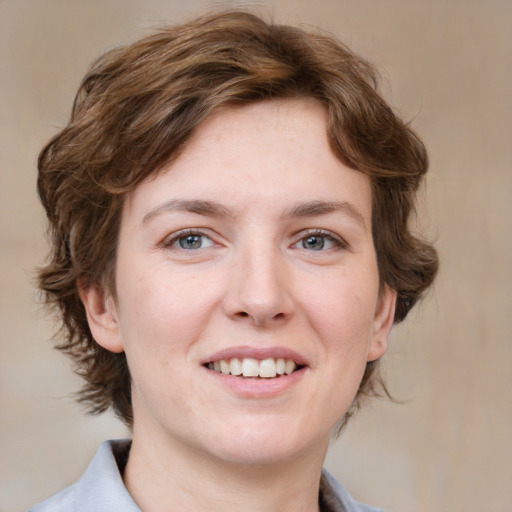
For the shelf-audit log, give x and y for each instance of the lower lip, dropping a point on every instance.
(258, 387)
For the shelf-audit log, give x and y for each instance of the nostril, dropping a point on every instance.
(244, 314)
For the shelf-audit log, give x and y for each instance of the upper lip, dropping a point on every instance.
(258, 353)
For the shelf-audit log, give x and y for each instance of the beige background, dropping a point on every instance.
(447, 65)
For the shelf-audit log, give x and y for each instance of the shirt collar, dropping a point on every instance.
(102, 488)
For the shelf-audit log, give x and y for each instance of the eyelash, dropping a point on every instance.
(338, 242)
(175, 237)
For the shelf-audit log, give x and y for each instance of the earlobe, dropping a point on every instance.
(382, 324)
(101, 317)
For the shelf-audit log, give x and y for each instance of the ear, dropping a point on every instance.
(382, 323)
(101, 316)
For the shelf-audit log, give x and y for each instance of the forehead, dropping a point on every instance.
(272, 151)
(288, 116)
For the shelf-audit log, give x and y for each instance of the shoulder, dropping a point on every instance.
(100, 488)
(335, 498)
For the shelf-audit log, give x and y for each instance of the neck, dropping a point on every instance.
(165, 477)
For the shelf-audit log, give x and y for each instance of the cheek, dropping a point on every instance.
(343, 311)
(162, 312)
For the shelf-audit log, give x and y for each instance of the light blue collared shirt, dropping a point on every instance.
(101, 488)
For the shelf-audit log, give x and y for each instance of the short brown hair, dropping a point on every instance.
(139, 105)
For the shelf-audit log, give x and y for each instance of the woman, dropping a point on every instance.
(228, 208)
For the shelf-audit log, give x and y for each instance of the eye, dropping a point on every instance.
(319, 241)
(189, 241)
(314, 242)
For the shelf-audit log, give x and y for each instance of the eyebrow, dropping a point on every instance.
(197, 206)
(213, 209)
(313, 208)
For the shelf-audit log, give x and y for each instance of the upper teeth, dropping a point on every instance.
(249, 367)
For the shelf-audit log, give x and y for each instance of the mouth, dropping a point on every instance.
(251, 368)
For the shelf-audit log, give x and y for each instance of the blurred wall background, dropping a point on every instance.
(447, 66)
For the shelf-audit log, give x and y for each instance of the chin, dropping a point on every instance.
(260, 446)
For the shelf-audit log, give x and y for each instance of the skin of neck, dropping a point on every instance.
(167, 476)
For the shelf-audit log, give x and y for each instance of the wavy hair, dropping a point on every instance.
(136, 109)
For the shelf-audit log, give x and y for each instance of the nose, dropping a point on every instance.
(259, 289)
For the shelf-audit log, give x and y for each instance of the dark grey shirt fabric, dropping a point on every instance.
(101, 488)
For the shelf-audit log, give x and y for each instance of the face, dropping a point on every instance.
(252, 253)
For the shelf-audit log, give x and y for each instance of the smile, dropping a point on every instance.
(249, 367)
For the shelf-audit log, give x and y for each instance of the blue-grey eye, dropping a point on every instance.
(190, 242)
(313, 242)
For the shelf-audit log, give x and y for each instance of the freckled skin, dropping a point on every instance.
(248, 280)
